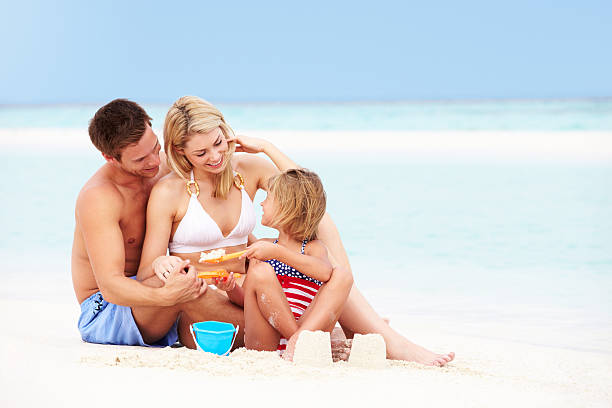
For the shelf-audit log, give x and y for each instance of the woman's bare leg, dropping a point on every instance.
(266, 310)
(359, 317)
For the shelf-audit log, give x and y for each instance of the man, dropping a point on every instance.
(110, 229)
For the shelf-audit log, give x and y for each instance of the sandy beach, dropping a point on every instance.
(45, 362)
(504, 363)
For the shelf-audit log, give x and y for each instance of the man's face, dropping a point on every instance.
(142, 158)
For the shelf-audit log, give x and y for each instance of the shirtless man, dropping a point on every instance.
(110, 229)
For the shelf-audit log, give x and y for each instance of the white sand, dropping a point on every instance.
(44, 361)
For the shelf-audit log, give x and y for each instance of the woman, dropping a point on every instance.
(206, 203)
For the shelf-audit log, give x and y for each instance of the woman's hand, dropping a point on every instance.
(162, 265)
(249, 144)
(226, 284)
(261, 250)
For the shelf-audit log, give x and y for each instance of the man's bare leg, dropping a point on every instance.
(359, 317)
(155, 322)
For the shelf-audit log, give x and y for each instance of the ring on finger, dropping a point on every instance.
(165, 274)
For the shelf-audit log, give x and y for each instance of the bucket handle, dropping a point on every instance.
(237, 328)
(193, 337)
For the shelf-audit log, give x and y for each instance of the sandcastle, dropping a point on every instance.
(313, 349)
(368, 351)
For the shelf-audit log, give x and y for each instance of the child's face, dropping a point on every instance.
(269, 211)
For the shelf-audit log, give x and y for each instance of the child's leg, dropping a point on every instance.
(266, 311)
(326, 307)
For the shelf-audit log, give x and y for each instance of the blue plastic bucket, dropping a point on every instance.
(214, 337)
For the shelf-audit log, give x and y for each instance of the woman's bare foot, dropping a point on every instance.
(409, 351)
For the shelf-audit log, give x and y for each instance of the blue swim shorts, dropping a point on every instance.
(106, 323)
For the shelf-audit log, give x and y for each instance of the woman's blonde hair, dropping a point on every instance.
(300, 201)
(187, 116)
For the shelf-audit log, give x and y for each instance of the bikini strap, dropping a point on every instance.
(241, 184)
(275, 241)
(192, 182)
(304, 242)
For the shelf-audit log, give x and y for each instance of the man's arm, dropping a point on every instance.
(98, 211)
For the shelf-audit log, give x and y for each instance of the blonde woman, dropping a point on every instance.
(206, 203)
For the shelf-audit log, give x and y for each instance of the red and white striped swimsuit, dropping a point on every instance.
(299, 289)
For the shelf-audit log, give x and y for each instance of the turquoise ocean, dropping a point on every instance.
(520, 244)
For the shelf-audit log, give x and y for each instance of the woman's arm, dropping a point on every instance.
(160, 215)
(255, 145)
(313, 263)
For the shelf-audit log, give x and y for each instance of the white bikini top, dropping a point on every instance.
(197, 231)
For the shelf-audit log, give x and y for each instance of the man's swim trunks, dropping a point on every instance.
(106, 323)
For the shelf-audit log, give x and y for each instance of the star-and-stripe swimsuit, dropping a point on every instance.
(299, 289)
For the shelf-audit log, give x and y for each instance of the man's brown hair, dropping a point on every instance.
(300, 200)
(117, 125)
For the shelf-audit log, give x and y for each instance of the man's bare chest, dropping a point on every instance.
(133, 223)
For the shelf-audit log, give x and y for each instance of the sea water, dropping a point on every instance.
(507, 242)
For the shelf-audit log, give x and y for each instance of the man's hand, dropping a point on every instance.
(261, 250)
(183, 286)
(162, 265)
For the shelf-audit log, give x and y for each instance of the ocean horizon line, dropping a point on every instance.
(409, 101)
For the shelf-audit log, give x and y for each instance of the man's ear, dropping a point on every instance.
(108, 158)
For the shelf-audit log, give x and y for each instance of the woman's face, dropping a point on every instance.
(207, 151)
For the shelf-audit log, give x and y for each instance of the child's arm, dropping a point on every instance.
(313, 263)
(234, 291)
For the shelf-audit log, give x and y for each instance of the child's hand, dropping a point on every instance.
(262, 250)
(226, 284)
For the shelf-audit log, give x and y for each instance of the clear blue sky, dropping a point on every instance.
(82, 51)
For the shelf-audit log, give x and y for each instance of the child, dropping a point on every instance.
(278, 290)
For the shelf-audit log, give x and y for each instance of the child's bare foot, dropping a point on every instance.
(290, 350)
(341, 349)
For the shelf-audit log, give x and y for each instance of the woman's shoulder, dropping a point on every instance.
(170, 184)
(255, 170)
(249, 163)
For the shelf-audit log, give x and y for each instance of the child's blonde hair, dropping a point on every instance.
(300, 201)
